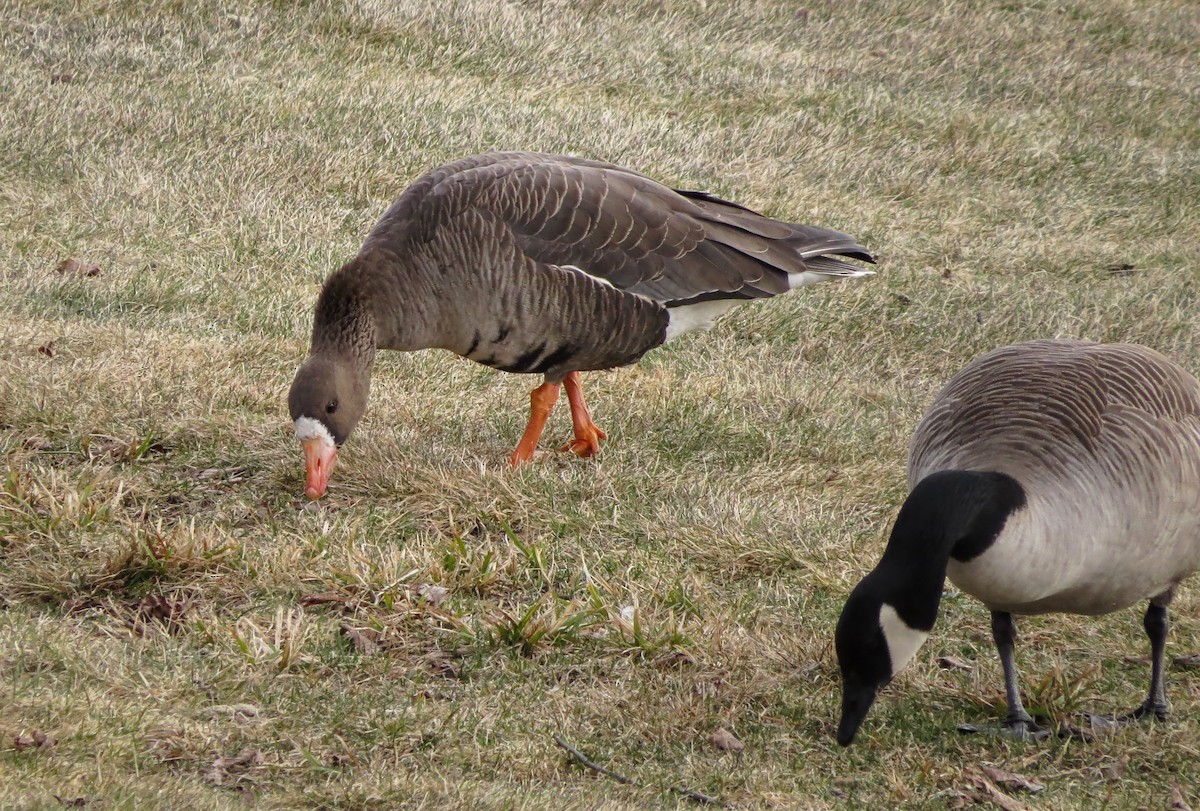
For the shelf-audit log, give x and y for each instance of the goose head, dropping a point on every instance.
(873, 643)
(327, 400)
(890, 613)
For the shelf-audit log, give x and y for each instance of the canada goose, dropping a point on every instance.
(540, 264)
(1049, 476)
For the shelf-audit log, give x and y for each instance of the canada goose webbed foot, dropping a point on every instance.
(1020, 728)
(1023, 729)
(1153, 709)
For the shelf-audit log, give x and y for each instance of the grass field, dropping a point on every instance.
(177, 630)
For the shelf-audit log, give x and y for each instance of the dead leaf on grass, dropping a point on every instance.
(675, 658)
(1120, 268)
(78, 267)
(231, 711)
(998, 797)
(323, 598)
(166, 744)
(1178, 801)
(1009, 779)
(365, 640)
(229, 771)
(1116, 770)
(723, 739)
(959, 799)
(99, 445)
(339, 761)
(168, 611)
(434, 595)
(441, 665)
(35, 740)
(950, 663)
(37, 443)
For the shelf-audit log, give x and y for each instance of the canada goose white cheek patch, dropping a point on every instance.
(902, 641)
(308, 428)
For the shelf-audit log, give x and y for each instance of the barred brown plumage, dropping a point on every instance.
(543, 264)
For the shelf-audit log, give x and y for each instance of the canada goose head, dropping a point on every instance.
(890, 613)
(873, 643)
(326, 401)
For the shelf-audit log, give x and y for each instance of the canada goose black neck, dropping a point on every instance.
(952, 513)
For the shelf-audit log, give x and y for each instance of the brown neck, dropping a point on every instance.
(377, 300)
(344, 324)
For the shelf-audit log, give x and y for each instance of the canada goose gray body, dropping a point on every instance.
(540, 264)
(1049, 476)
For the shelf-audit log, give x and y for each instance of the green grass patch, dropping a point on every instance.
(178, 630)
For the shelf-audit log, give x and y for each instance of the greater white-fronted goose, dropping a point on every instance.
(1051, 476)
(546, 265)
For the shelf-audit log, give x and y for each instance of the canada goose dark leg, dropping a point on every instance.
(1004, 634)
(587, 434)
(1156, 625)
(541, 401)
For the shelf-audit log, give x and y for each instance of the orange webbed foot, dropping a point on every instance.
(587, 435)
(586, 443)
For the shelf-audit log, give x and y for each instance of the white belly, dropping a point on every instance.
(1086, 564)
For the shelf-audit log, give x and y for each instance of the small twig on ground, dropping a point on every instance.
(593, 765)
(620, 778)
(698, 797)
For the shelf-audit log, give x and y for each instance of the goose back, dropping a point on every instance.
(540, 263)
(1105, 441)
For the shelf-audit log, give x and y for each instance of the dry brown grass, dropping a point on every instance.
(183, 636)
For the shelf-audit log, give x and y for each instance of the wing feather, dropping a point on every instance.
(622, 227)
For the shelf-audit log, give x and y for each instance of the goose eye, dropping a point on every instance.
(332, 407)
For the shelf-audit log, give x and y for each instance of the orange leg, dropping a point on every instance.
(587, 434)
(541, 401)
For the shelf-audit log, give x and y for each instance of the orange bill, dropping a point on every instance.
(319, 456)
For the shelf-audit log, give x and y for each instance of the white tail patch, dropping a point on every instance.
(902, 641)
(308, 428)
(691, 317)
(805, 278)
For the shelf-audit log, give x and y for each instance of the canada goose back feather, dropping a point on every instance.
(1105, 441)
